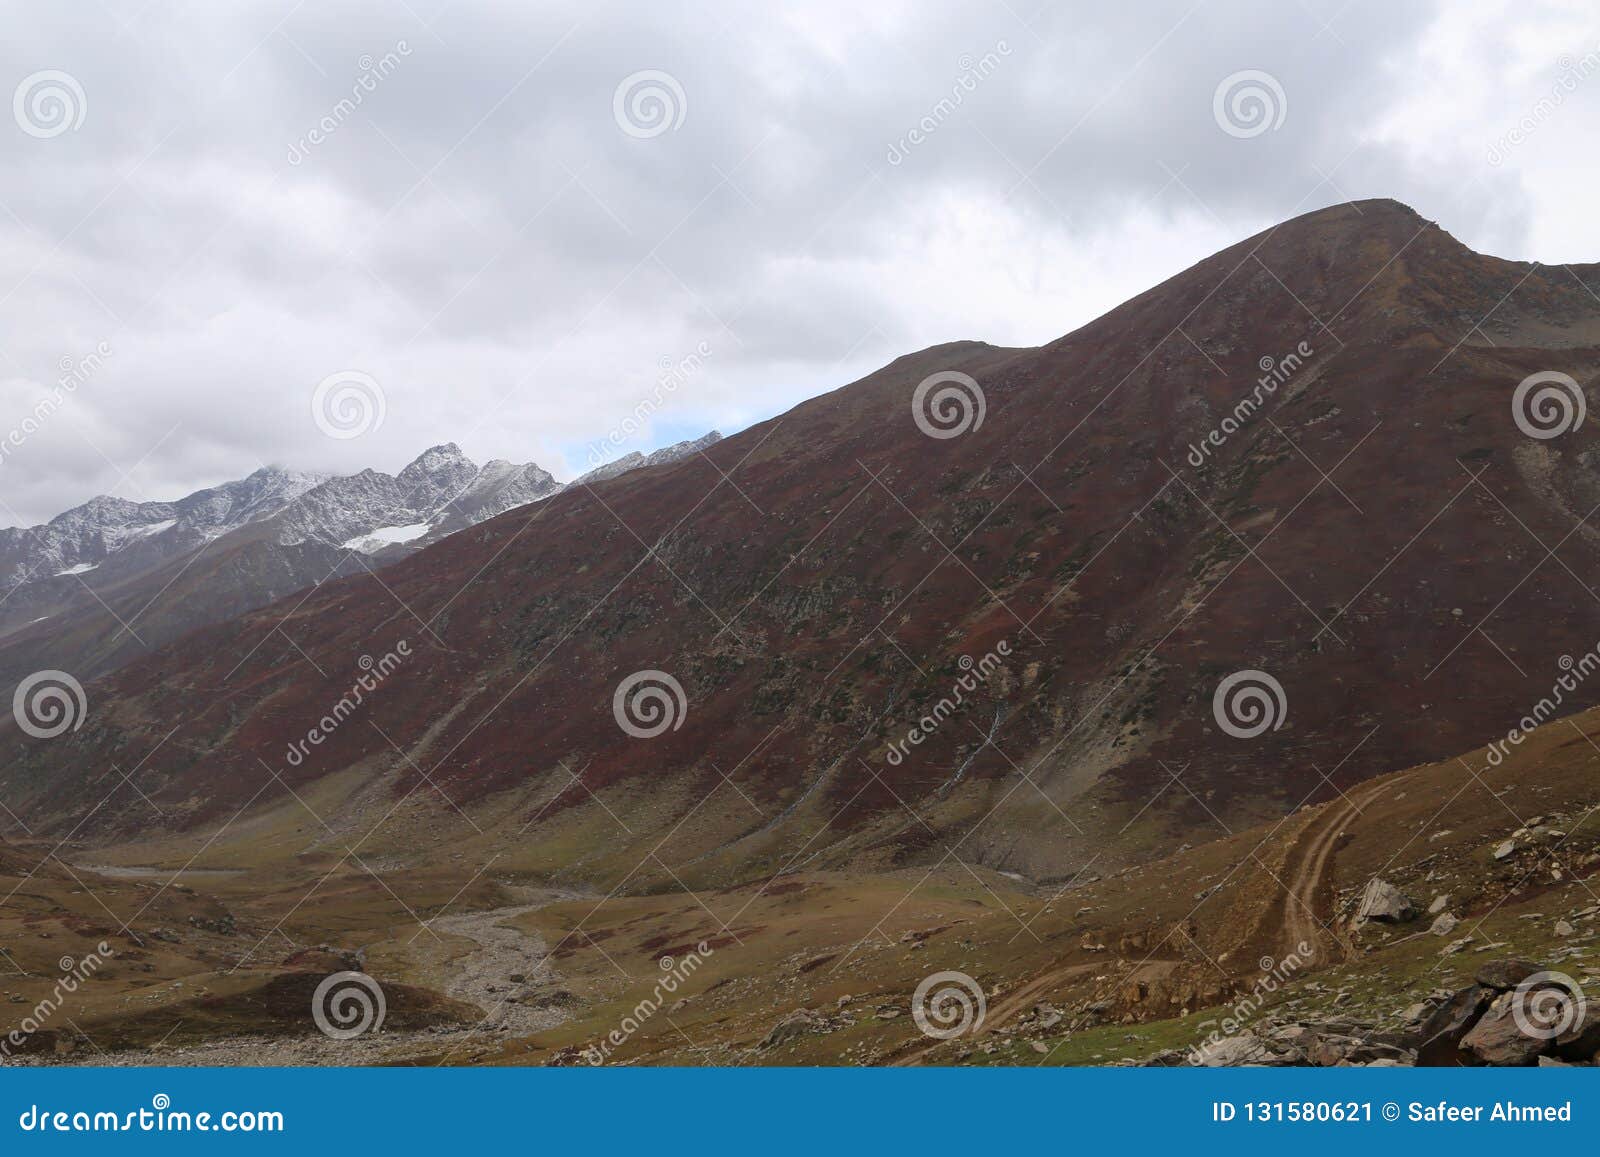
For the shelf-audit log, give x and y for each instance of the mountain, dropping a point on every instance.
(139, 533)
(1269, 529)
(112, 579)
(637, 460)
(440, 492)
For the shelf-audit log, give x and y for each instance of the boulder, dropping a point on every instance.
(1443, 924)
(1439, 1038)
(1331, 1050)
(1581, 1042)
(1245, 1049)
(1382, 901)
(1498, 1039)
(1502, 975)
(1167, 1059)
(801, 1022)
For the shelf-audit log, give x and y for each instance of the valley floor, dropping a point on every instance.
(1256, 928)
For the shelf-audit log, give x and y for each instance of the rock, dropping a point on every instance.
(1374, 1052)
(1167, 1059)
(1443, 924)
(1384, 902)
(801, 1022)
(1330, 1050)
(1498, 1039)
(1564, 929)
(1439, 904)
(1040, 1047)
(1440, 1035)
(1245, 1049)
(1502, 975)
(1582, 1041)
(1455, 946)
(1506, 850)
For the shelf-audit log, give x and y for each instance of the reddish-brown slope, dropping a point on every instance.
(814, 582)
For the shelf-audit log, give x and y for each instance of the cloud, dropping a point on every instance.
(441, 196)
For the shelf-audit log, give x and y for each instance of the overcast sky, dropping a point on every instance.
(510, 239)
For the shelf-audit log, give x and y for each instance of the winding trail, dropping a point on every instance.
(1308, 866)
(1307, 889)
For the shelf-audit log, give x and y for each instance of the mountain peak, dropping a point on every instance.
(435, 456)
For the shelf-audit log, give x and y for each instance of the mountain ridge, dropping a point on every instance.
(816, 606)
(80, 584)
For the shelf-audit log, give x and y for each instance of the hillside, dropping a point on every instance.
(1378, 535)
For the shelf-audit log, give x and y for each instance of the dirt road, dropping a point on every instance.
(1308, 863)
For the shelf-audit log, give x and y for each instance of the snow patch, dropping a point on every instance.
(386, 536)
(81, 568)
